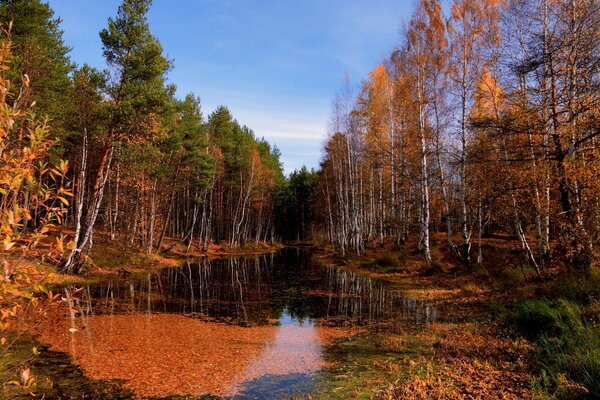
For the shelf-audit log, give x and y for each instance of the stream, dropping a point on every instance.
(237, 328)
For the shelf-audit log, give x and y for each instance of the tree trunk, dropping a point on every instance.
(73, 262)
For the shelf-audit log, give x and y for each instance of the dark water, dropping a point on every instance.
(287, 291)
(255, 291)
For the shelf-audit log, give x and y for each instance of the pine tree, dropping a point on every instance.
(41, 54)
(137, 94)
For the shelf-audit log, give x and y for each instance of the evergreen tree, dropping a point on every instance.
(41, 54)
(137, 94)
(296, 203)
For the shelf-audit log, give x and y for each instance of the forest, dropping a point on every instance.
(142, 163)
(481, 122)
(463, 170)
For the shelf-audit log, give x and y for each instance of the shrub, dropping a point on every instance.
(579, 288)
(437, 263)
(33, 195)
(480, 271)
(509, 277)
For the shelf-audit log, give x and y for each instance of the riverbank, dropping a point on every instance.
(109, 260)
(480, 347)
(243, 319)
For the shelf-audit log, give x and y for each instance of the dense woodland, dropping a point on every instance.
(484, 120)
(142, 164)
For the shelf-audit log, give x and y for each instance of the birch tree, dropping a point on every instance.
(473, 27)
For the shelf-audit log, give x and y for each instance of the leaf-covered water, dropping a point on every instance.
(240, 327)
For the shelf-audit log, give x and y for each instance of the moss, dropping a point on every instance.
(368, 363)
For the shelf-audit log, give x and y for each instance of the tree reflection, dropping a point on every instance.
(256, 291)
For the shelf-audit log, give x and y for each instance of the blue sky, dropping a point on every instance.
(275, 63)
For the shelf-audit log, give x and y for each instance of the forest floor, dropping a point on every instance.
(481, 347)
(111, 259)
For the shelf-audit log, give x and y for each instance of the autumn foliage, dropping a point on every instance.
(33, 196)
(481, 121)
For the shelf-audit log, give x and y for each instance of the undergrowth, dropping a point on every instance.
(567, 346)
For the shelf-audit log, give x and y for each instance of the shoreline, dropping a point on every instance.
(466, 353)
(109, 262)
(469, 352)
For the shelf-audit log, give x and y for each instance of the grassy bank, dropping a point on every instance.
(504, 333)
(111, 259)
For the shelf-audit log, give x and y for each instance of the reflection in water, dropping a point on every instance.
(295, 349)
(258, 325)
(256, 291)
(360, 299)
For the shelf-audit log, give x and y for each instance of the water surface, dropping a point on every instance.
(239, 327)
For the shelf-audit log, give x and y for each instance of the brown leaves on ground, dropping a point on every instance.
(468, 363)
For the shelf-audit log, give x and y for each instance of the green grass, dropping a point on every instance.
(567, 346)
(365, 365)
(115, 261)
(536, 318)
